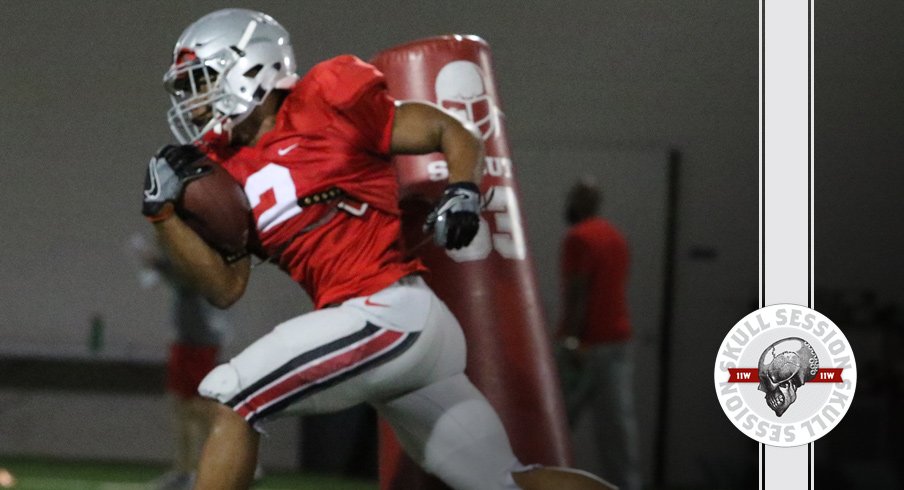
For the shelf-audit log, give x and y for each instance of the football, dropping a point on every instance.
(215, 207)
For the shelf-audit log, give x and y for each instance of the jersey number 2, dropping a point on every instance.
(272, 195)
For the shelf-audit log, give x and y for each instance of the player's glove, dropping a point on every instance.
(166, 175)
(455, 220)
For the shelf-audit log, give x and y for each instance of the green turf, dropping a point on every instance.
(39, 474)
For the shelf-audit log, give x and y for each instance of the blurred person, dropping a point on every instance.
(595, 349)
(313, 156)
(194, 352)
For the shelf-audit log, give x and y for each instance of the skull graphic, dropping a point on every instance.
(784, 367)
(460, 89)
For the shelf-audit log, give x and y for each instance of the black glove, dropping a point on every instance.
(455, 220)
(166, 175)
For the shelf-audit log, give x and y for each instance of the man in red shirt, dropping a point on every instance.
(595, 333)
(313, 156)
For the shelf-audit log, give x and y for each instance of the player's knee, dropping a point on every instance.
(222, 416)
(221, 384)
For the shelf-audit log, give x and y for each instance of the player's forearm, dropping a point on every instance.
(463, 149)
(201, 266)
(420, 128)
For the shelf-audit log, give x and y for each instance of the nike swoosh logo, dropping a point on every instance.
(285, 151)
(154, 190)
(368, 302)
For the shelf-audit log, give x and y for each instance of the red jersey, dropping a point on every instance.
(333, 130)
(596, 249)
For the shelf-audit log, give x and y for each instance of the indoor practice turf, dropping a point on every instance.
(41, 474)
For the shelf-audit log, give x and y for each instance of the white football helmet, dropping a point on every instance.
(227, 61)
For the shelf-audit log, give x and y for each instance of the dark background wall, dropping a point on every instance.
(859, 270)
(83, 109)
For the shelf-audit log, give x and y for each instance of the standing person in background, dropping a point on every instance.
(595, 349)
(193, 353)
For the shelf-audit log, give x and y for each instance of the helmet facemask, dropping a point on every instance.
(193, 85)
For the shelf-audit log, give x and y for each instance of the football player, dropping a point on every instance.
(313, 156)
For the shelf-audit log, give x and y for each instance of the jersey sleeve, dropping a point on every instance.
(357, 91)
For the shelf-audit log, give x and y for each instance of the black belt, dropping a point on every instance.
(321, 197)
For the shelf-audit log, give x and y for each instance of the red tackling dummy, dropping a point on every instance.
(489, 285)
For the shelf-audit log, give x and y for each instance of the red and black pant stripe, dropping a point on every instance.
(320, 368)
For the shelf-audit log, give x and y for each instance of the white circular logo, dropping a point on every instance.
(785, 375)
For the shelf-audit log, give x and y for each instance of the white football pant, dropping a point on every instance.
(400, 350)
